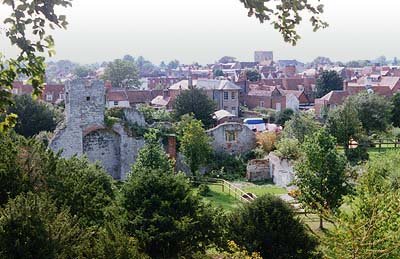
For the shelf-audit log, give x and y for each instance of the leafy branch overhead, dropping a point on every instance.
(286, 15)
(26, 27)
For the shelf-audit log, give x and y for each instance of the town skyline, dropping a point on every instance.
(224, 30)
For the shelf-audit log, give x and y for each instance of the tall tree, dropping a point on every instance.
(165, 215)
(320, 174)
(195, 101)
(86, 189)
(24, 166)
(218, 73)
(26, 27)
(396, 110)
(269, 226)
(195, 146)
(374, 111)
(122, 74)
(328, 81)
(32, 227)
(369, 227)
(300, 126)
(34, 116)
(152, 156)
(253, 75)
(343, 123)
(83, 71)
(284, 116)
(174, 64)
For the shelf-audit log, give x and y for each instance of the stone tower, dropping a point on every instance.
(84, 108)
(84, 131)
(85, 103)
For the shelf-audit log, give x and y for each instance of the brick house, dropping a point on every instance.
(266, 97)
(51, 93)
(223, 92)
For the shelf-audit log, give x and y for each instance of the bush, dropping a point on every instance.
(168, 219)
(288, 148)
(204, 190)
(269, 226)
(267, 141)
(356, 155)
(226, 166)
(31, 227)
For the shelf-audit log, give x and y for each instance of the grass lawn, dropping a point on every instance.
(260, 189)
(229, 202)
(220, 199)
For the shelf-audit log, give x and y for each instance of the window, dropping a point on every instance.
(261, 104)
(15, 91)
(62, 96)
(226, 96)
(87, 98)
(233, 95)
(115, 103)
(230, 136)
(234, 111)
(49, 97)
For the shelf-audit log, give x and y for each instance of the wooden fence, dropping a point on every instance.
(228, 188)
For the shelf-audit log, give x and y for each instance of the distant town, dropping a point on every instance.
(262, 83)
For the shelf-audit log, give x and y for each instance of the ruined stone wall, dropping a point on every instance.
(258, 170)
(245, 139)
(104, 146)
(85, 133)
(134, 116)
(282, 172)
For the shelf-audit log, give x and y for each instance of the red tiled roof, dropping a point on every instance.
(142, 96)
(335, 97)
(117, 95)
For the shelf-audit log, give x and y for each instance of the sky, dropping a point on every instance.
(205, 30)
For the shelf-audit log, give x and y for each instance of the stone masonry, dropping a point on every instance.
(85, 133)
(232, 138)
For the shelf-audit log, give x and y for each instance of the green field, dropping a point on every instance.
(221, 199)
(228, 202)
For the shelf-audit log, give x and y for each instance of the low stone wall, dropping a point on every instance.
(258, 170)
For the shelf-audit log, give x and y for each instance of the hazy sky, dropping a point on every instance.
(204, 30)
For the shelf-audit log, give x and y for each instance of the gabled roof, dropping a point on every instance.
(182, 85)
(206, 84)
(160, 101)
(142, 96)
(294, 92)
(218, 115)
(114, 95)
(390, 81)
(211, 84)
(335, 97)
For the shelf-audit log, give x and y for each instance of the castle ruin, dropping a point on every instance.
(85, 132)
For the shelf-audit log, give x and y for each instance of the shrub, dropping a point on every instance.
(288, 148)
(358, 154)
(226, 166)
(267, 141)
(269, 226)
(168, 219)
(204, 190)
